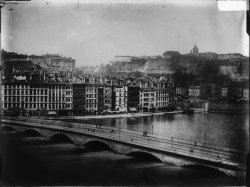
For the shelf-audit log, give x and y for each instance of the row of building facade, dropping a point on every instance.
(54, 64)
(84, 98)
(95, 98)
(93, 94)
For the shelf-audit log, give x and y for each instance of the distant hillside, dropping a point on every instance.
(148, 65)
(168, 63)
(135, 64)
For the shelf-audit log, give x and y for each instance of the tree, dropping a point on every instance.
(209, 70)
(183, 78)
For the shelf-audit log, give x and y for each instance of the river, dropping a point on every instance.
(30, 161)
(39, 161)
(225, 130)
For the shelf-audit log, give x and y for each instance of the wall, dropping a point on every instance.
(215, 106)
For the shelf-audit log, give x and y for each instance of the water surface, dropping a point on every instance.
(38, 161)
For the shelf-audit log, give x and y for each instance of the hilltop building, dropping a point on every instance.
(54, 63)
(123, 58)
(231, 56)
(209, 56)
(195, 50)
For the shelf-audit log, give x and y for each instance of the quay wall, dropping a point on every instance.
(227, 107)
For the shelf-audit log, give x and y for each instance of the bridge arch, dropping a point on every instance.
(60, 137)
(95, 144)
(145, 156)
(8, 128)
(31, 133)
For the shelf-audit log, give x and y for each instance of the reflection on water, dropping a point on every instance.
(38, 161)
(226, 130)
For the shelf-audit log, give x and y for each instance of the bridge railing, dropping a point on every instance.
(79, 125)
(172, 144)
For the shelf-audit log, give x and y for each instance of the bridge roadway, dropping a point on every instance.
(124, 141)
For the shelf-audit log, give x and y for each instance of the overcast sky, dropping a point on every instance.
(95, 33)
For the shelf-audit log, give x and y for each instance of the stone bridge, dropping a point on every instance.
(125, 142)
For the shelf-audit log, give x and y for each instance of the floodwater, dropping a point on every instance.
(37, 161)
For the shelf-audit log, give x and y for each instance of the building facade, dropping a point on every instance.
(91, 98)
(223, 93)
(34, 99)
(162, 95)
(231, 56)
(194, 92)
(120, 98)
(85, 98)
(69, 98)
(100, 100)
(228, 70)
(54, 63)
(108, 93)
(147, 99)
(195, 50)
(246, 94)
(133, 97)
(79, 99)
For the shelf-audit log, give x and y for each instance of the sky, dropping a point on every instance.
(94, 32)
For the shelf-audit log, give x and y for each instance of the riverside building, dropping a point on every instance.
(147, 99)
(36, 99)
(120, 98)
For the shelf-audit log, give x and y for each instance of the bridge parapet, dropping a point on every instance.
(125, 142)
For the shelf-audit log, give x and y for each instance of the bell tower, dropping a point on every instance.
(195, 50)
